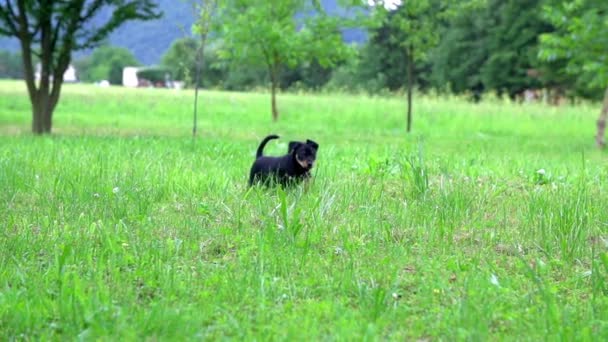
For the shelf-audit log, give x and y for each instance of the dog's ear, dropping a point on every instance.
(292, 146)
(312, 144)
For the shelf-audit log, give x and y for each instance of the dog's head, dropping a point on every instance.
(305, 153)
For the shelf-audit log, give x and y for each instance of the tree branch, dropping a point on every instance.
(133, 10)
(7, 16)
(91, 10)
(26, 51)
(22, 19)
(67, 43)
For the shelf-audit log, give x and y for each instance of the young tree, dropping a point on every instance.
(415, 27)
(383, 62)
(275, 33)
(50, 30)
(581, 39)
(418, 22)
(202, 26)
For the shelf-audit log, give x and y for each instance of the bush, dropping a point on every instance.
(105, 63)
(154, 74)
(11, 65)
(180, 59)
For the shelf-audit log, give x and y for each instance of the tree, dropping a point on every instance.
(201, 27)
(494, 47)
(105, 63)
(581, 39)
(306, 75)
(463, 49)
(415, 27)
(180, 58)
(384, 61)
(418, 21)
(51, 30)
(512, 43)
(274, 33)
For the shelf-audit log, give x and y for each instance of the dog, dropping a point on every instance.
(291, 168)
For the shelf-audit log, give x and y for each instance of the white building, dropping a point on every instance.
(68, 76)
(129, 77)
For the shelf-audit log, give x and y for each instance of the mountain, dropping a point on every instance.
(148, 40)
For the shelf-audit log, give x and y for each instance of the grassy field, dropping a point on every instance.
(488, 222)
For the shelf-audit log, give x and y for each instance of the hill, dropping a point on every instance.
(149, 40)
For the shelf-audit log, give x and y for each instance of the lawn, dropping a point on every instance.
(487, 222)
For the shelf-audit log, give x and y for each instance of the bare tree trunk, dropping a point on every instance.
(601, 123)
(410, 85)
(273, 100)
(197, 79)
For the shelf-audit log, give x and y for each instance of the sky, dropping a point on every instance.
(389, 4)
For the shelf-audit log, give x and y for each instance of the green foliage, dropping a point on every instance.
(384, 58)
(415, 25)
(511, 40)
(457, 59)
(155, 74)
(244, 77)
(306, 75)
(581, 39)
(277, 34)
(347, 77)
(271, 33)
(216, 73)
(11, 65)
(492, 47)
(180, 59)
(105, 63)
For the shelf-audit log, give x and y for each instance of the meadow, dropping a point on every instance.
(488, 222)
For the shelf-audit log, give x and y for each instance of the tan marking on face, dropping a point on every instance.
(303, 163)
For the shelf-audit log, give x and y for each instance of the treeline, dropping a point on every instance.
(490, 47)
(493, 47)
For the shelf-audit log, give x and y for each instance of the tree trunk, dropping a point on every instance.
(601, 122)
(43, 97)
(273, 91)
(42, 114)
(200, 56)
(47, 119)
(410, 85)
(37, 126)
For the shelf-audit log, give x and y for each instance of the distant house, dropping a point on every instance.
(129, 77)
(68, 76)
(148, 76)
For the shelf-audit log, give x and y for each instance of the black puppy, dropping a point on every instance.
(292, 167)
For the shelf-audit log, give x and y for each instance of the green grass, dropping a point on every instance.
(120, 226)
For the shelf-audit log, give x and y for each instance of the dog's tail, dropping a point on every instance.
(263, 143)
